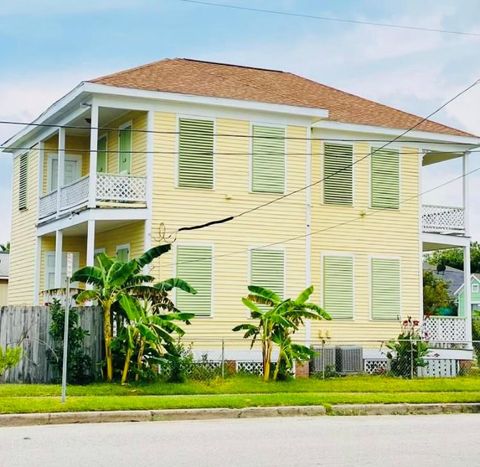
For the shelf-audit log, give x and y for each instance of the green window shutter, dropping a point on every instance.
(125, 146)
(267, 269)
(102, 155)
(194, 265)
(385, 179)
(195, 153)
(123, 254)
(268, 159)
(385, 288)
(23, 182)
(338, 286)
(338, 170)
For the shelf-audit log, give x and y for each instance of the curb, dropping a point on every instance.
(11, 420)
(157, 415)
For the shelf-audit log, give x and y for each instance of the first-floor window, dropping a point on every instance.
(385, 288)
(195, 265)
(50, 269)
(123, 253)
(267, 269)
(338, 286)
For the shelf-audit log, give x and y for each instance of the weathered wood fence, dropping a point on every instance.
(28, 326)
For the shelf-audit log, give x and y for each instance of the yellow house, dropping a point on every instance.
(324, 197)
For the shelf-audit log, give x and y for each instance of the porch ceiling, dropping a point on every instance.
(80, 230)
(105, 116)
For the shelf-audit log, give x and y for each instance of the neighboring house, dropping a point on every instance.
(181, 142)
(475, 291)
(4, 268)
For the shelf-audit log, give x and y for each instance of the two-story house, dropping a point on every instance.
(182, 142)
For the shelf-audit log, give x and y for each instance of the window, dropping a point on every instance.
(96, 252)
(123, 253)
(23, 182)
(385, 179)
(338, 171)
(50, 269)
(195, 153)
(267, 269)
(338, 286)
(102, 161)
(475, 288)
(194, 265)
(268, 159)
(125, 148)
(385, 288)
(71, 170)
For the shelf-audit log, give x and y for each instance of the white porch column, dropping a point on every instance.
(36, 279)
(58, 259)
(466, 194)
(60, 166)
(90, 243)
(149, 181)
(467, 300)
(92, 181)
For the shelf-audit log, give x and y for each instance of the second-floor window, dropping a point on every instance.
(195, 153)
(268, 159)
(23, 182)
(338, 174)
(385, 178)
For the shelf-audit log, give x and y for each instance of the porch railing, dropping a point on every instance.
(443, 219)
(445, 329)
(110, 188)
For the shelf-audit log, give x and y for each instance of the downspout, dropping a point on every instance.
(308, 226)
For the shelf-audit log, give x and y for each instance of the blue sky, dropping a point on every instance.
(47, 47)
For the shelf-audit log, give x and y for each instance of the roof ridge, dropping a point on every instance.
(233, 65)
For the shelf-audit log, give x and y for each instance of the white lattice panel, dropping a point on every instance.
(445, 331)
(443, 219)
(74, 194)
(48, 205)
(375, 366)
(440, 368)
(121, 188)
(254, 368)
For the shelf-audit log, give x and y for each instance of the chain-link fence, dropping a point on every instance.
(407, 358)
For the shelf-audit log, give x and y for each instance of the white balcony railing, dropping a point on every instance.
(444, 331)
(443, 219)
(110, 188)
(48, 205)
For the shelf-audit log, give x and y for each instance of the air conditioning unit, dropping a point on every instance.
(322, 359)
(349, 359)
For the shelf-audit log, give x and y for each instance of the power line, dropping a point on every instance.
(331, 18)
(218, 135)
(348, 166)
(339, 224)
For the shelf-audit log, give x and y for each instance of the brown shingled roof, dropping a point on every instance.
(201, 78)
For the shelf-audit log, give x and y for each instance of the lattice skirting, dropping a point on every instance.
(253, 368)
(375, 366)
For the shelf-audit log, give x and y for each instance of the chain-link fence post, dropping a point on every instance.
(323, 359)
(411, 358)
(223, 358)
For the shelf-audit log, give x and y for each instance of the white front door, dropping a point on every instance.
(72, 170)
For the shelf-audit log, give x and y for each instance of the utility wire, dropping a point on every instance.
(222, 135)
(331, 18)
(339, 224)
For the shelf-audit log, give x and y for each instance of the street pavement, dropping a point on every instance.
(435, 440)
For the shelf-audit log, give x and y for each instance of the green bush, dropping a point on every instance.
(9, 358)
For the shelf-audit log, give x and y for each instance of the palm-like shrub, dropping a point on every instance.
(276, 322)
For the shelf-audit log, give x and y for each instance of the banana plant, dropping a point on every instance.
(277, 320)
(148, 329)
(111, 279)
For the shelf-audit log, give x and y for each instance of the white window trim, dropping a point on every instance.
(200, 244)
(394, 147)
(68, 157)
(250, 158)
(177, 151)
(269, 248)
(121, 127)
(370, 294)
(47, 254)
(475, 287)
(104, 136)
(322, 269)
(354, 173)
(124, 246)
(97, 251)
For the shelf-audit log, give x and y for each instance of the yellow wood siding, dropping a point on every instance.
(23, 234)
(3, 292)
(132, 233)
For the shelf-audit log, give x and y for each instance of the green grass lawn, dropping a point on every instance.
(236, 392)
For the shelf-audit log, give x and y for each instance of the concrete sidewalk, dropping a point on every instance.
(248, 412)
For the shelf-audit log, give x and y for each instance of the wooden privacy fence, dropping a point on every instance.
(28, 326)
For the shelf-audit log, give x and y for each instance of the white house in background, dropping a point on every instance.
(4, 269)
